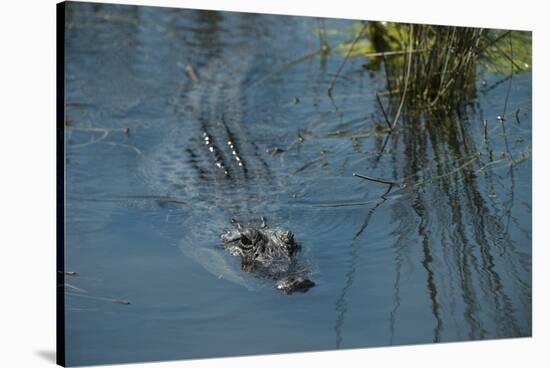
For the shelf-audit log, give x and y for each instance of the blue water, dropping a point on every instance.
(446, 256)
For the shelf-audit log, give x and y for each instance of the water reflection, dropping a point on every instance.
(449, 219)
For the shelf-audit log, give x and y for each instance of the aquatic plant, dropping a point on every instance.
(434, 68)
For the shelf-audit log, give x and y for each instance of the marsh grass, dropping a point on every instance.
(433, 76)
(434, 69)
(442, 76)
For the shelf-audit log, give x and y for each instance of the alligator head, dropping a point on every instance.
(269, 252)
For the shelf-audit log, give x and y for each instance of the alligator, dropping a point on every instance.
(213, 163)
(269, 252)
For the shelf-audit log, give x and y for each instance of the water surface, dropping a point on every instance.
(446, 256)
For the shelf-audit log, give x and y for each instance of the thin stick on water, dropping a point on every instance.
(315, 53)
(281, 68)
(343, 62)
(398, 114)
(377, 180)
(383, 110)
(511, 78)
(383, 196)
(492, 42)
(348, 204)
(394, 53)
(129, 146)
(112, 300)
(191, 73)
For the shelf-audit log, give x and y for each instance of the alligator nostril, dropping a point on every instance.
(292, 284)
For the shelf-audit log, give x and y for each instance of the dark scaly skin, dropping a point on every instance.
(268, 252)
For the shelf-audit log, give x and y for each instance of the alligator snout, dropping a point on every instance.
(293, 283)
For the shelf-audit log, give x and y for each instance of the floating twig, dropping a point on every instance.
(67, 273)
(105, 133)
(108, 130)
(67, 286)
(348, 204)
(191, 73)
(92, 141)
(129, 146)
(387, 93)
(112, 300)
(274, 151)
(377, 180)
(306, 165)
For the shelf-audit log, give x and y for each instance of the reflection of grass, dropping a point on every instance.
(442, 169)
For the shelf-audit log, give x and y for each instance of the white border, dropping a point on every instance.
(27, 154)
